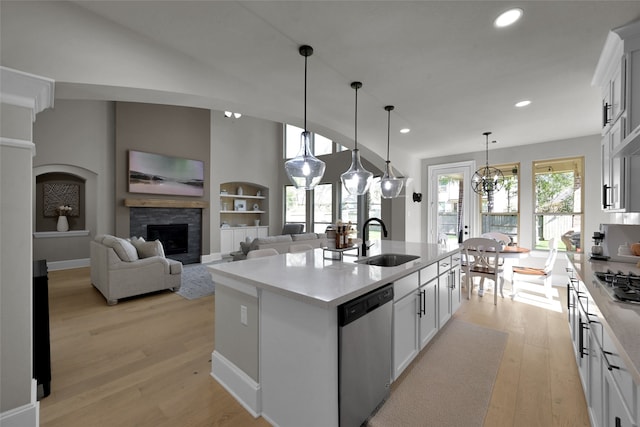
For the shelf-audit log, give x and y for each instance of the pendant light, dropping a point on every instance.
(305, 170)
(390, 186)
(357, 179)
(487, 180)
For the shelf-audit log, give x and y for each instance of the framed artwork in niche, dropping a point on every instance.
(158, 174)
(56, 195)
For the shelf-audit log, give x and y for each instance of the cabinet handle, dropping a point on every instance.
(421, 303)
(618, 422)
(424, 302)
(605, 114)
(569, 289)
(581, 327)
(605, 203)
(606, 360)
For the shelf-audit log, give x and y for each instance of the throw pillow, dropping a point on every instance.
(125, 250)
(148, 249)
(244, 247)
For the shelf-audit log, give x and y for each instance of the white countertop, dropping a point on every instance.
(621, 320)
(307, 276)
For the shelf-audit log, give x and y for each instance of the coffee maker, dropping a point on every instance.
(615, 236)
(597, 249)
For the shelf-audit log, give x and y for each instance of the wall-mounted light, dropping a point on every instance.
(230, 114)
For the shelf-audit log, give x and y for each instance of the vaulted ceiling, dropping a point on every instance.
(448, 71)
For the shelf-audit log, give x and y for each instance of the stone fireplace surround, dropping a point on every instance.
(139, 217)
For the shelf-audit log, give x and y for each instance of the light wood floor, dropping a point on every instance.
(146, 362)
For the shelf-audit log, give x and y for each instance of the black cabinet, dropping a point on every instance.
(41, 342)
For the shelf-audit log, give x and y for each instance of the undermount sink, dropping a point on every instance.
(388, 260)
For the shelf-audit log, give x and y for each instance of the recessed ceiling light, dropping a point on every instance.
(523, 103)
(405, 130)
(508, 18)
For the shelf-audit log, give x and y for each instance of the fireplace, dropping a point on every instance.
(142, 217)
(174, 237)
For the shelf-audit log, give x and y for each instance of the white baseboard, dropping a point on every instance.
(68, 264)
(245, 390)
(23, 416)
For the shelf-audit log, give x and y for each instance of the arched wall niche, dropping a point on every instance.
(86, 180)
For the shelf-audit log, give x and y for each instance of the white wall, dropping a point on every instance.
(588, 146)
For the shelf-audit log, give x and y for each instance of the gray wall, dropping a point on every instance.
(77, 137)
(162, 129)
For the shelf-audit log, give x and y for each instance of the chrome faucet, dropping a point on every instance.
(365, 233)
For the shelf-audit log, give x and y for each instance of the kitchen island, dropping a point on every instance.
(276, 324)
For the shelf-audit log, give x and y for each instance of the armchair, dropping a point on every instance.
(120, 270)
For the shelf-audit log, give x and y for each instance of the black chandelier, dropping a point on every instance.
(487, 180)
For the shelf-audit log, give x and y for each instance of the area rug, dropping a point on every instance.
(450, 383)
(196, 282)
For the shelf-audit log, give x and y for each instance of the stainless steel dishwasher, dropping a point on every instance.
(364, 342)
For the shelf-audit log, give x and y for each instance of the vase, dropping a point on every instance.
(63, 223)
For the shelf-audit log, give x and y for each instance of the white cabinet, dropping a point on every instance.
(618, 76)
(608, 385)
(405, 322)
(449, 296)
(405, 333)
(415, 315)
(428, 312)
(231, 237)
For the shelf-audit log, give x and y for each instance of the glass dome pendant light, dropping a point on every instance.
(305, 170)
(390, 186)
(357, 179)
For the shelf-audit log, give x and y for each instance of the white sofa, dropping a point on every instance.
(280, 243)
(123, 268)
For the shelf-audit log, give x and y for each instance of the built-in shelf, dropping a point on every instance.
(243, 212)
(241, 196)
(58, 234)
(166, 203)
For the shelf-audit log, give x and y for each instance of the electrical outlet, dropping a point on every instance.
(243, 314)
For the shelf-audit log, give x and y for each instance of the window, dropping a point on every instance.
(295, 205)
(322, 207)
(374, 209)
(558, 202)
(322, 145)
(319, 144)
(502, 214)
(348, 207)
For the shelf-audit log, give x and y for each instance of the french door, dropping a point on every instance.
(451, 206)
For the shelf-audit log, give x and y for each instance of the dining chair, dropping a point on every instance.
(259, 253)
(481, 258)
(301, 247)
(533, 273)
(500, 237)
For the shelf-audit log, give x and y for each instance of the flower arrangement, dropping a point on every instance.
(64, 210)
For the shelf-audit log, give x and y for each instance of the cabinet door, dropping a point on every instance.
(428, 312)
(615, 411)
(239, 235)
(251, 233)
(263, 231)
(226, 241)
(594, 398)
(454, 288)
(444, 299)
(405, 333)
(617, 91)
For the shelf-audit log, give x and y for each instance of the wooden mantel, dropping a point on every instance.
(166, 203)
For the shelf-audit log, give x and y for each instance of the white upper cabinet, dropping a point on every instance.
(618, 76)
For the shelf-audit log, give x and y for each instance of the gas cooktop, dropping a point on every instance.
(621, 287)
